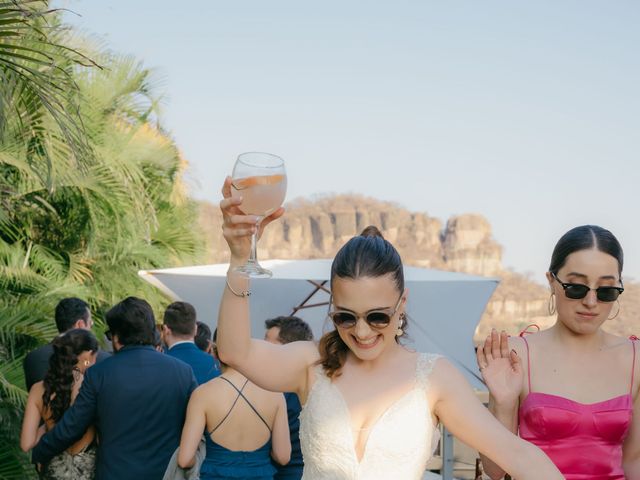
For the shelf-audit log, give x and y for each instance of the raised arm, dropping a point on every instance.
(281, 368)
(456, 405)
(280, 436)
(502, 371)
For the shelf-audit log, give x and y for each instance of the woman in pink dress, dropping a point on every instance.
(572, 389)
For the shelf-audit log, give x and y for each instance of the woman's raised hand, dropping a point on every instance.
(501, 368)
(237, 227)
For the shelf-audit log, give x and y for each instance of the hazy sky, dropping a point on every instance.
(525, 112)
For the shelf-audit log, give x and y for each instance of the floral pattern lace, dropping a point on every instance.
(81, 466)
(399, 445)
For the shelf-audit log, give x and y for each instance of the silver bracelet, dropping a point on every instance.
(243, 294)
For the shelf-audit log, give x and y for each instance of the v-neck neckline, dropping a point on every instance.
(343, 401)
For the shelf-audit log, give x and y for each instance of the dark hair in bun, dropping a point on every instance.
(366, 255)
(371, 231)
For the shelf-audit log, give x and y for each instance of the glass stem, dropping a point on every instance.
(253, 258)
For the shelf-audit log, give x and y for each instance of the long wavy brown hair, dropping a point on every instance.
(59, 379)
(366, 255)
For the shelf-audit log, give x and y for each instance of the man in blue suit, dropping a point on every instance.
(179, 331)
(137, 399)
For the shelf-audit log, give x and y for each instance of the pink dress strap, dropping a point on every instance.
(528, 361)
(526, 330)
(522, 335)
(633, 339)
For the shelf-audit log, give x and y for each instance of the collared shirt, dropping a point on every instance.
(181, 341)
(204, 365)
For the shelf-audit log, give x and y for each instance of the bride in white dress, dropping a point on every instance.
(370, 405)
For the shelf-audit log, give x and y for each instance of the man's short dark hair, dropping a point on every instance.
(132, 321)
(69, 311)
(292, 329)
(180, 317)
(203, 336)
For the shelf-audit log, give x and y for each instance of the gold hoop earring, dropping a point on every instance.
(617, 312)
(400, 331)
(551, 307)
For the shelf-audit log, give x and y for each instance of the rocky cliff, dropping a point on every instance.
(317, 229)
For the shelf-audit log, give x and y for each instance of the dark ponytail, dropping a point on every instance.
(366, 255)
(333, 352)
(59, 379)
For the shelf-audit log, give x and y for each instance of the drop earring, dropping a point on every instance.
(400, 331)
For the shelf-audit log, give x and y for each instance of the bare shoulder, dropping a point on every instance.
(440, 363)
(622, 349)
(618, 342)
(625, 352)
(37, 388)
(206, 391)
(444, 374)
(446, 383)
(36, 393)
(530, 338)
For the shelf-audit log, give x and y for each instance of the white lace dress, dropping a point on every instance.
(399, 445)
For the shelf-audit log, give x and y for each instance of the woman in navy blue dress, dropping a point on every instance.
(245, 427)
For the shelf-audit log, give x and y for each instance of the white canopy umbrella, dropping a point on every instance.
(443, 307)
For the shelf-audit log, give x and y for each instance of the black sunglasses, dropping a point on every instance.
(375, 319)
(576, 291)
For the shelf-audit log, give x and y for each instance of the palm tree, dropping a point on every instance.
(90, 192)
(36, 73)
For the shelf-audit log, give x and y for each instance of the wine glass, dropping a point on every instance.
(261, 180)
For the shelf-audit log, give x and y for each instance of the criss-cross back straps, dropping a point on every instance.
(240, 394)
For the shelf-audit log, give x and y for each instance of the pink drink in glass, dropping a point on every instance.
(261, 195)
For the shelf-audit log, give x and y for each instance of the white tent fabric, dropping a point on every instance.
(443, 307)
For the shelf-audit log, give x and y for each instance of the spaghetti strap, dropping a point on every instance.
(528, 360)
(526, 330)
(240, 394)
(633, 339)
(522, 335)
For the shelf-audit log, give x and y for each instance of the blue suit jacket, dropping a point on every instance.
(137, 399)
(204, 365)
